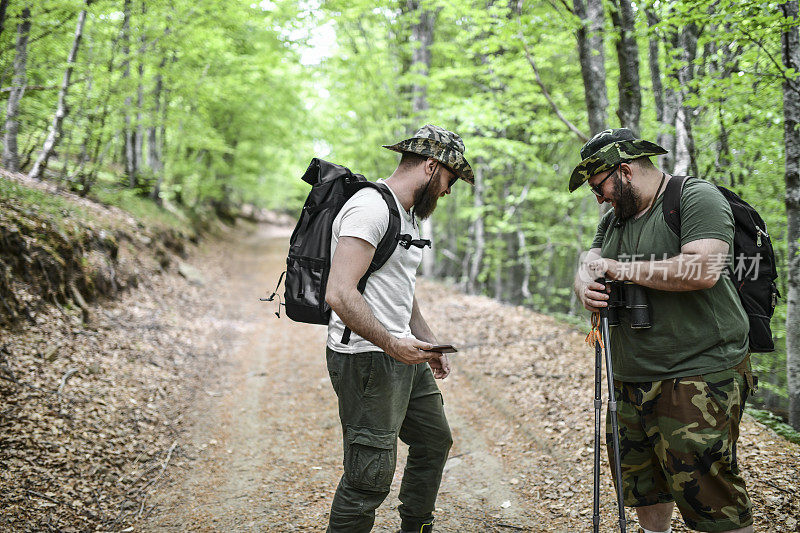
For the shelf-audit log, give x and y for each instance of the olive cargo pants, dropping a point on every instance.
(381, 399)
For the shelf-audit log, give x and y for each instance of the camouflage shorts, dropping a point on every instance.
(678, 443)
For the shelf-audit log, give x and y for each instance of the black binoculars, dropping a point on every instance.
(630, 296)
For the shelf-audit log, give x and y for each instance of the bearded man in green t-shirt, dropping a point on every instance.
(681, 383)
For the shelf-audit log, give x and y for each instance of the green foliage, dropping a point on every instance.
(212, 91)
(141, 208)
(775, 423)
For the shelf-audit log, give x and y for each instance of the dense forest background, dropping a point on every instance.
(210, 108)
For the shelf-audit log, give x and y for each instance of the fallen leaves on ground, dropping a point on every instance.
(91, 414)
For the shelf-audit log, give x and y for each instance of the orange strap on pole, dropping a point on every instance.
(595, 335)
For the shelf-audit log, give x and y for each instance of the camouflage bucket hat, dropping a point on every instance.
(608, 149)
(440, 144)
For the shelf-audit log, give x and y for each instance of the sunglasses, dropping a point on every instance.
(597, 188)
(454, 179)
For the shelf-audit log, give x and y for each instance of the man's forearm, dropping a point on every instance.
(683, 272)
(354, 311)
(419, 327)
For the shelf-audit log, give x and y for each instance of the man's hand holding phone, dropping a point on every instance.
(441, 348)
(441, 365)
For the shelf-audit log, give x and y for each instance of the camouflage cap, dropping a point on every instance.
(608, 149)
(441, 145)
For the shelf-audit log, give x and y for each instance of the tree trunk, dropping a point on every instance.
(665, 137)
(153, 152)
(527, 267)
(3, 8)
(630, 91)
(160, 143)
(88, 112)
(685, 42)
(139, 136)
(790, 47)
(421, 39)
(128, 150)
(478, 235)
(653, 50)
(591, 54)
(83, 156)
(724, 61)
(592, 59)
(497, 291)
(88, 178)
(61, 108)
(722, 163)
(67, 152)
(156, 133)
(10, 149)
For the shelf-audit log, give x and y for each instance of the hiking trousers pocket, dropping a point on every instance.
(369, 459)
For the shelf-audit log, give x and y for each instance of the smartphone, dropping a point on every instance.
(442, 348)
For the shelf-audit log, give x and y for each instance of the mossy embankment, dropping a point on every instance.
(57, 248)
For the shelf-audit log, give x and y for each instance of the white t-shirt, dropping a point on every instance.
(390, 290)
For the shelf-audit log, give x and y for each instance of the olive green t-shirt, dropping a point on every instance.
(692, 332)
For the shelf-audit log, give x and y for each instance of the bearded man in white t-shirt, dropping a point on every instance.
(381, 373)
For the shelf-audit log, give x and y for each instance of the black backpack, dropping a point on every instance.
(309, 260)
(753, 247)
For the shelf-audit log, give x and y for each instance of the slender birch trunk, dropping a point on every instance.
(54, 133)
(790, 47)
(10, 148)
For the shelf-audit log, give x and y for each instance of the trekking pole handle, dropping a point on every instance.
(603, 310)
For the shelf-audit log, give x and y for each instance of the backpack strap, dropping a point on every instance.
(672, 203)
(388, 242)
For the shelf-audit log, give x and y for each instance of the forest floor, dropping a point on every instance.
(247, 436)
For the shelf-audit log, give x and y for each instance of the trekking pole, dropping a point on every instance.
(598, 405)
(612, 411)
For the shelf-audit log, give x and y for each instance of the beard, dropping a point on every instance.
(424, 199)
(626, 198)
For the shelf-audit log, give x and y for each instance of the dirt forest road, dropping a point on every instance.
(266, 439)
